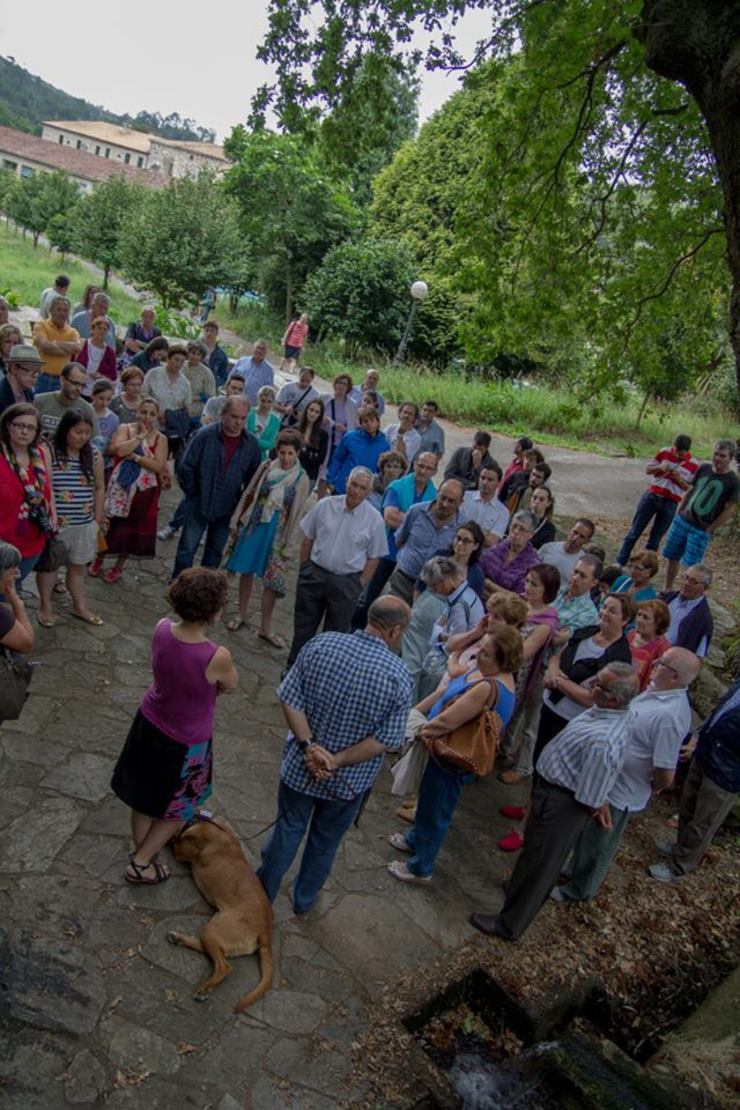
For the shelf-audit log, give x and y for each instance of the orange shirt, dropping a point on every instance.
(45, 329)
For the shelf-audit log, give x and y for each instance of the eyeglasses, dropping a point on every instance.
(464, 539)
(34, 370)
(604, 688)
(668, 667)
(24, 427)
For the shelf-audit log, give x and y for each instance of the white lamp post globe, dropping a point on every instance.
(419, 290)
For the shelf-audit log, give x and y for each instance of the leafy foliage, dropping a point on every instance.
(43, 204)
(597, 214)
(178, 241)
(361, 293)
(100, 218)
(291, 211)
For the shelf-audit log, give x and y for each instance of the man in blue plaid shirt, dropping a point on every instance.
(346, 700)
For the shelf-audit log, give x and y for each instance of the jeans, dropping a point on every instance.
(27, 563)
(217, 533)
(650, 505)
(438, 796)
(178, 517)
(326, 821)
(46, 383)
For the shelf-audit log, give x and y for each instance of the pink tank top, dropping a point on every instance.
(181, 701)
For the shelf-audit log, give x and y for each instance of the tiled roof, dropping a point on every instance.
(18, 145)
(104, 132)
(208, 150)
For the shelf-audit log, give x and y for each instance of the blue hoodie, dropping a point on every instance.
(356, 448)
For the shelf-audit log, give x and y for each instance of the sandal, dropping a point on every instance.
(92, 619)
(273, 640)
(95, 567)
(160, 872)
(235, 624)
(112, 575)
(59, 588)
(46, 624)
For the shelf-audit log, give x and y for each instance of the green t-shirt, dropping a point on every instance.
(710, 493)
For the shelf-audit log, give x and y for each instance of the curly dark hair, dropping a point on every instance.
(198, 594)
(289, 438)
(61, 451)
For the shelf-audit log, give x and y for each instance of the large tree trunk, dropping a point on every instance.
(697, 44)
(106, 275)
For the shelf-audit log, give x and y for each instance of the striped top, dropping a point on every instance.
(587, 756)
(297, 334)
(74, 493)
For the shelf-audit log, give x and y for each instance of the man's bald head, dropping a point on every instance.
(389, 612)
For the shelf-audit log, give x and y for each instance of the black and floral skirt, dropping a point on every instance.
(159, 777)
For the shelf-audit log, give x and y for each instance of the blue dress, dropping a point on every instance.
(253, 551)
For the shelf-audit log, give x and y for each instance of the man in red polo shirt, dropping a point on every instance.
(672, 472)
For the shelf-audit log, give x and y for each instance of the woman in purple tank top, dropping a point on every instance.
(164, 770)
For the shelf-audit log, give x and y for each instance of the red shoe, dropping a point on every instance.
(514, 813)
(512, 842)
(112, 575)
(95, 567)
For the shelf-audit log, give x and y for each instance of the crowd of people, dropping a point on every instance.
(445, 600)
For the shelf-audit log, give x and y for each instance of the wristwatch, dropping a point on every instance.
(303, 745)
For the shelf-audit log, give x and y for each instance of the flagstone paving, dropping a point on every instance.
(96, 1007)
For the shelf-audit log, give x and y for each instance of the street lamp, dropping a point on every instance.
(419, 292)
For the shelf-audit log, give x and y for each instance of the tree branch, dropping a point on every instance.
(671, 274)
(484, 47)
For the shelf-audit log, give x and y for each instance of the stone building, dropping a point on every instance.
(26, 155)
(129, 147)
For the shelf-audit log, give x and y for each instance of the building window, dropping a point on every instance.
(107, 152)
(8, 165)
(61, 139)
(127, 158)
(27, 171)
(97, 150)
(79, 144)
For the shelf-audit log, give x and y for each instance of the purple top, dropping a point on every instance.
(508, 576)
(181, 701)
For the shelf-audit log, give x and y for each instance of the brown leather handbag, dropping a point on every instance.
(472, 746)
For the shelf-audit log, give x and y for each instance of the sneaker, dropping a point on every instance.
(166, 533)
(663, 873)
(558, 894)
(399, 870)
(513, 813)
(665, 847)
(512, 842)
(400, 843)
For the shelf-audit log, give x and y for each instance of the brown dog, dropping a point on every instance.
(243, 923)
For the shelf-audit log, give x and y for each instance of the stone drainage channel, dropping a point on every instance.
(491, 1054)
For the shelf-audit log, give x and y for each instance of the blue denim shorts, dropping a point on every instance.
(686, 543)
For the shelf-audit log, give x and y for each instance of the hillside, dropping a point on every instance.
(26, 101)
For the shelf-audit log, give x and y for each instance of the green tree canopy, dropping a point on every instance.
(100, 219)
(611, 100)
(361, 293)
(178, 241)
(291, 210)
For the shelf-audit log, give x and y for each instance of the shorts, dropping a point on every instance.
(686, 543)
(293, 352)
(81, 541)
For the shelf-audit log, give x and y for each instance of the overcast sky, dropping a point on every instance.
(160, 55)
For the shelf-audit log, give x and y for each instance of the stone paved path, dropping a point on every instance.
(96, 1007)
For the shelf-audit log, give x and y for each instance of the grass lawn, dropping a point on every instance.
(27, 271)
(551, 415)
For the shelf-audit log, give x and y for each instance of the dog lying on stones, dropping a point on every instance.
(242, 924)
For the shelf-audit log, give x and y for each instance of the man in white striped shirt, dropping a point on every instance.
(574, 777)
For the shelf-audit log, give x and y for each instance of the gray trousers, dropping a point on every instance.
(400, 585)
(521, 735)
(593, 856)
(701, 811)
(555, 822)
(322, 596)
